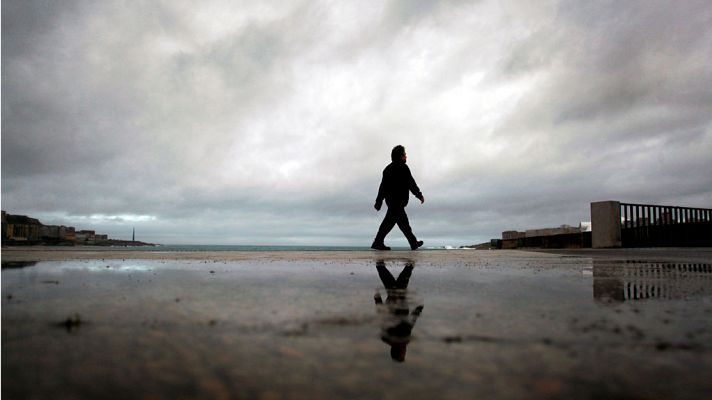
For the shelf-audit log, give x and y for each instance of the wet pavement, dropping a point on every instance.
(481, 324)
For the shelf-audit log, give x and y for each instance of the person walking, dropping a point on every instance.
(396, 183)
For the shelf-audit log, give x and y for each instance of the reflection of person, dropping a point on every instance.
(397, 181)
(398, 321)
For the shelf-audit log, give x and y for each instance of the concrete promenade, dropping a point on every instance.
(55, 253)
(88, 323)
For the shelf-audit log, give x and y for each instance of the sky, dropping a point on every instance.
(270, 122)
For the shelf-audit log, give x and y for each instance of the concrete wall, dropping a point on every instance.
(576, 240)
(509, 243)
(606, 224)
(562, 230)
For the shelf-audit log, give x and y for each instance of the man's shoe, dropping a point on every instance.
(380, 246)
(417, 244)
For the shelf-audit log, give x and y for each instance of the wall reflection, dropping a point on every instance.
(640, 280)
(399, 312)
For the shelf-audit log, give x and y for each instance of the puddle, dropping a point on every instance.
(492, 327)
(18, 264)
(642, 280)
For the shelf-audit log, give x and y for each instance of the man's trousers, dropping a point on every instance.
(395, 215)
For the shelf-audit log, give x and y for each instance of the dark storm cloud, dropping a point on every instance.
(26, 21)
(251, 122)
(36, 122)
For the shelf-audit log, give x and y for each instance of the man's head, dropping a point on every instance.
(398, 154)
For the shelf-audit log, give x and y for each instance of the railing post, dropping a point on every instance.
(605, 224)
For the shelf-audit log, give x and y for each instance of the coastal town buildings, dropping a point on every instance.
(49, 233)
(86, 237)
(21, 229)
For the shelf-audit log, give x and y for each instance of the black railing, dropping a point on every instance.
(645, 225)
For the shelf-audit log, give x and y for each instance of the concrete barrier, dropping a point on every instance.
(605, 224)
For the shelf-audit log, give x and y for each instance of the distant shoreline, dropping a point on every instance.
(106, 243)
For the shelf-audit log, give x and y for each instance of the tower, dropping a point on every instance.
(133, 235)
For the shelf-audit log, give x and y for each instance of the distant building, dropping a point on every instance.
(585, 226)
(508, 235)
(562, 230)
(565, 236)
(21, 228)
(86, 237)
(50, 232)
(57, 233)
(70, 234)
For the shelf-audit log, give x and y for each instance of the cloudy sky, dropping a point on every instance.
(257, 122)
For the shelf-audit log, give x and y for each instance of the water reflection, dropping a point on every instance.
(400, 311)
(18, 264)
(639, 280)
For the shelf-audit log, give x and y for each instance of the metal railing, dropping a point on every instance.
(636, 215)
(644, 225)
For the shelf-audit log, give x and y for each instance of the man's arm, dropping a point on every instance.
(377, 298)
(415, 314)
(381, 193)
(414, 187)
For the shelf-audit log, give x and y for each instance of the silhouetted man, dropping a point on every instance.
(396, 183)
(397, 318)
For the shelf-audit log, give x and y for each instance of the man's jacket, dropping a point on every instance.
(395, 185)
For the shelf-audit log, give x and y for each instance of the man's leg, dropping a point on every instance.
(389, 282)
(404, 276)
(389, 221)
(404, 225)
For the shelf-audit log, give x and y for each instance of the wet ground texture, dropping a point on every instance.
(478, 325)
